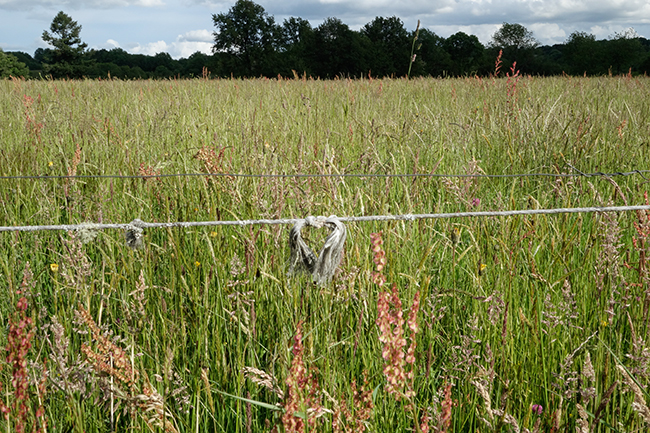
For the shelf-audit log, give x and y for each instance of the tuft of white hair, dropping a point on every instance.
(322, 266)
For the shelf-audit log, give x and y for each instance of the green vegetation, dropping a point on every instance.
(521, 321)
(11, 66)
(249, 43)
(66, 58)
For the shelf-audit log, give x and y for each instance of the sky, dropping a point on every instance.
(182, 27)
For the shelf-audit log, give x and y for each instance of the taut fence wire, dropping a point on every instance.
(141, 225)
(327, 175)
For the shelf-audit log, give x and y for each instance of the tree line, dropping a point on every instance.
(249, 43)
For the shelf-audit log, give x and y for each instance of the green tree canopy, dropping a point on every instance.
(11, 67)
(513, 36)
(338, 50)
(27, 59)
(297, 36)
(249, 35)
(518, 44)
(582, 54)
(466, 53)
(67, 56)
(432, 59)
(624, 51)
(390, 46)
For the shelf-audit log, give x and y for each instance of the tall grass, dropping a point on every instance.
(536, 323)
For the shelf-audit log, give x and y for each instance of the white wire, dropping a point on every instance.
(406, 217)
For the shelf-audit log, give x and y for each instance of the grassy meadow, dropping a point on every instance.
(527, 323)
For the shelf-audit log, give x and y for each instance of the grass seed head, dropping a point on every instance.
(639, 405)
(17, 407)
(303, 391)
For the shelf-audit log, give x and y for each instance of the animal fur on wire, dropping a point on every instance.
(323, 266)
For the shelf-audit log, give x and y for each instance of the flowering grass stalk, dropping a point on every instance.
(497, 64)
(346, 420)
(447, 404)
(512, 90)
(413, 55)
(399, 365)
(399, 369)
(639, 405)
(107, 358)
(303, 405)
(20, 413)
(379, 258)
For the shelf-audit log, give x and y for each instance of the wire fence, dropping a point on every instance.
(140, 225)
(578, 173)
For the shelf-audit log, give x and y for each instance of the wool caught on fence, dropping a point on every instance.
(323, 265)
(133, 234)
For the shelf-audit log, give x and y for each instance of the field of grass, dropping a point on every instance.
(527, 323)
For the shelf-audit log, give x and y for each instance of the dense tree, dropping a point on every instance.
(582, 54)
(41, 55)
(28, 60)
(295, 31)
(518, 45)
(548, 60)
(466, 53)
(338, 51)
(248, 43)
(165, 60)
(514, 36)
(194, 64)
(390, 46)
(115, 55)
(11, 67)
(118, 63)
(624, 51)
(432, 58)
(249, 35)
(644, 66)
(297, 36)
(66, 59)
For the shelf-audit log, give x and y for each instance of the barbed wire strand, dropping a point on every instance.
(406, 217)
(341, 175)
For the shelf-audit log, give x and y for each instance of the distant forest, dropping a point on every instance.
(249, 43)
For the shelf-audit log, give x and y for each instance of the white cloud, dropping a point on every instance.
(184, 46)
(148, 3)
(108, 45)
(605, 32)
(215, 5)
(76, 4)
(548, 34)
(150, 48)
(186, 49)
(558, 8)
(196, 36)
